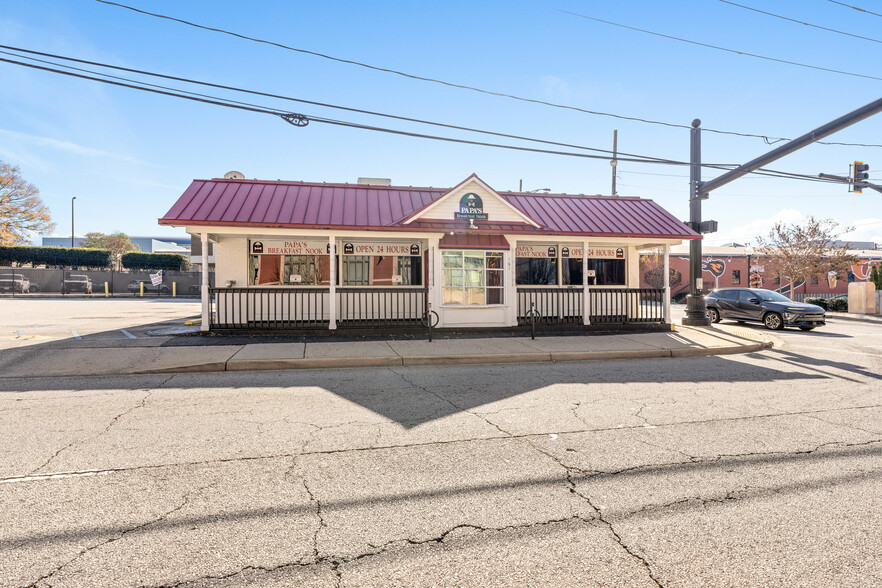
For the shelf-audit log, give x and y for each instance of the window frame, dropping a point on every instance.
(465, 284)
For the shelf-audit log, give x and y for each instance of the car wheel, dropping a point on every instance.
(713, 314)
(806, 328)
(773, 321)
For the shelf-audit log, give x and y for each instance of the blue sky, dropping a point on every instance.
(127, 155)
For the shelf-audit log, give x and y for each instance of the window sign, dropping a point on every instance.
(471, 207)
(536, 251)
(290, 247)
(381, 248)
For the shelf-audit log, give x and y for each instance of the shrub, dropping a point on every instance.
(822, 302)
(838, 304)
(57, 256)
(156, 261)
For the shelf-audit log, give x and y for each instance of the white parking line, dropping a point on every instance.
(75, 334)
(127, 334)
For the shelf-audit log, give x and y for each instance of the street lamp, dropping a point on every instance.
(72, 222)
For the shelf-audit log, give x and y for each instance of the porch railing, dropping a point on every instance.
(607, 305)
(553, 305)
(627, 305)
(372, 307)
(269, 308)
(309, 308)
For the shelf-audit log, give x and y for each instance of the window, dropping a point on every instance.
(472, 277)
(536, 271)
(275, 270)
(814, 280)
(608, 272)
(381, 270)
(356, 270)
(777, 280)
(736, 277)
(571, 271)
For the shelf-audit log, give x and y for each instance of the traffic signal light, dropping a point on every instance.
(859, 175)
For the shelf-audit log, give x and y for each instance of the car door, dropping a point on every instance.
(727, 303)
(749, 305)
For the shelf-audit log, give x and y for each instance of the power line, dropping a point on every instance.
(768, 139)
(303, 120)
(281, 113)
(855, 7)
(808, 24)
(718, 48)
(282, 97)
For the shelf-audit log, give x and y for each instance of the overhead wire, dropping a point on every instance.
(719, 48)
(217, 101)
(855, 8)
(767, 138)
(278, 112)
(290, 98)
(808, 24)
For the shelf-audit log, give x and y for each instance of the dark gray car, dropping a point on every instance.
(774, 310)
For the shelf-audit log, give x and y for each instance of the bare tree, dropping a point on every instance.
(801, 251)
(21, 209)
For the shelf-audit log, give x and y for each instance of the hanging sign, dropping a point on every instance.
(471, 207)
(290, 247)
(381, 248)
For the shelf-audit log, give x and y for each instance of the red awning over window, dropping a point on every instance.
(473, 241)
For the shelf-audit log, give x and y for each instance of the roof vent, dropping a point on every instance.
(375, 181)
(234, 175)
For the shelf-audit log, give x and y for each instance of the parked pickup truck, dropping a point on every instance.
(14, 283)
(76, 283)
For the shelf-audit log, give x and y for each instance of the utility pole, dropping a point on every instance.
(701, 190)
(72, 222)
(614, 163)
(696, 310)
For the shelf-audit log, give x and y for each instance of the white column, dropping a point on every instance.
(511, 286)
(586, 302)
(206, 302)
(332, 302)
(667, 283)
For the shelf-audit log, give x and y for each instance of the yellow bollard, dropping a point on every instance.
(106, 289)
(174, 289)
(142, 289)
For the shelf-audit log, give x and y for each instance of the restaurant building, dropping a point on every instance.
(300, 255)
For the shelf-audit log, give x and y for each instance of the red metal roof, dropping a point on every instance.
(473, 241)
(269, 204)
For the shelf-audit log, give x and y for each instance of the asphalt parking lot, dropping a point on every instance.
(42, 320)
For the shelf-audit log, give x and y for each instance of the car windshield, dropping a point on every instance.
(771, 296)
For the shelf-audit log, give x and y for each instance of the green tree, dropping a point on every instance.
(22, 212)
(800, 251)
(118, 243)
(876, 277)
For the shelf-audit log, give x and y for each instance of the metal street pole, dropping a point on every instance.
(699, 191)
(72, 222)
(614, 162)
(696, 310)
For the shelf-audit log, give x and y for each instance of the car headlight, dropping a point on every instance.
(789, 316)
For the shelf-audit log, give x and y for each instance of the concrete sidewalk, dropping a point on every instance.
(156, 358)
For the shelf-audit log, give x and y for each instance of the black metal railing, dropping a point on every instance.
(627, 305)
(553, 305)
(375, 307)
(269, 308)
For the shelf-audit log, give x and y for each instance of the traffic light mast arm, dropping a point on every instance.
(819, 133)
(847, 180)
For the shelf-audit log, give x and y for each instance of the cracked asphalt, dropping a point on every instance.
(742, 470)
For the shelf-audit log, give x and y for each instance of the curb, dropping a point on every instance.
(317, 363)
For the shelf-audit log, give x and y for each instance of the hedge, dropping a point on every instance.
(55, 256)
(156, 261)
(822, 302)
